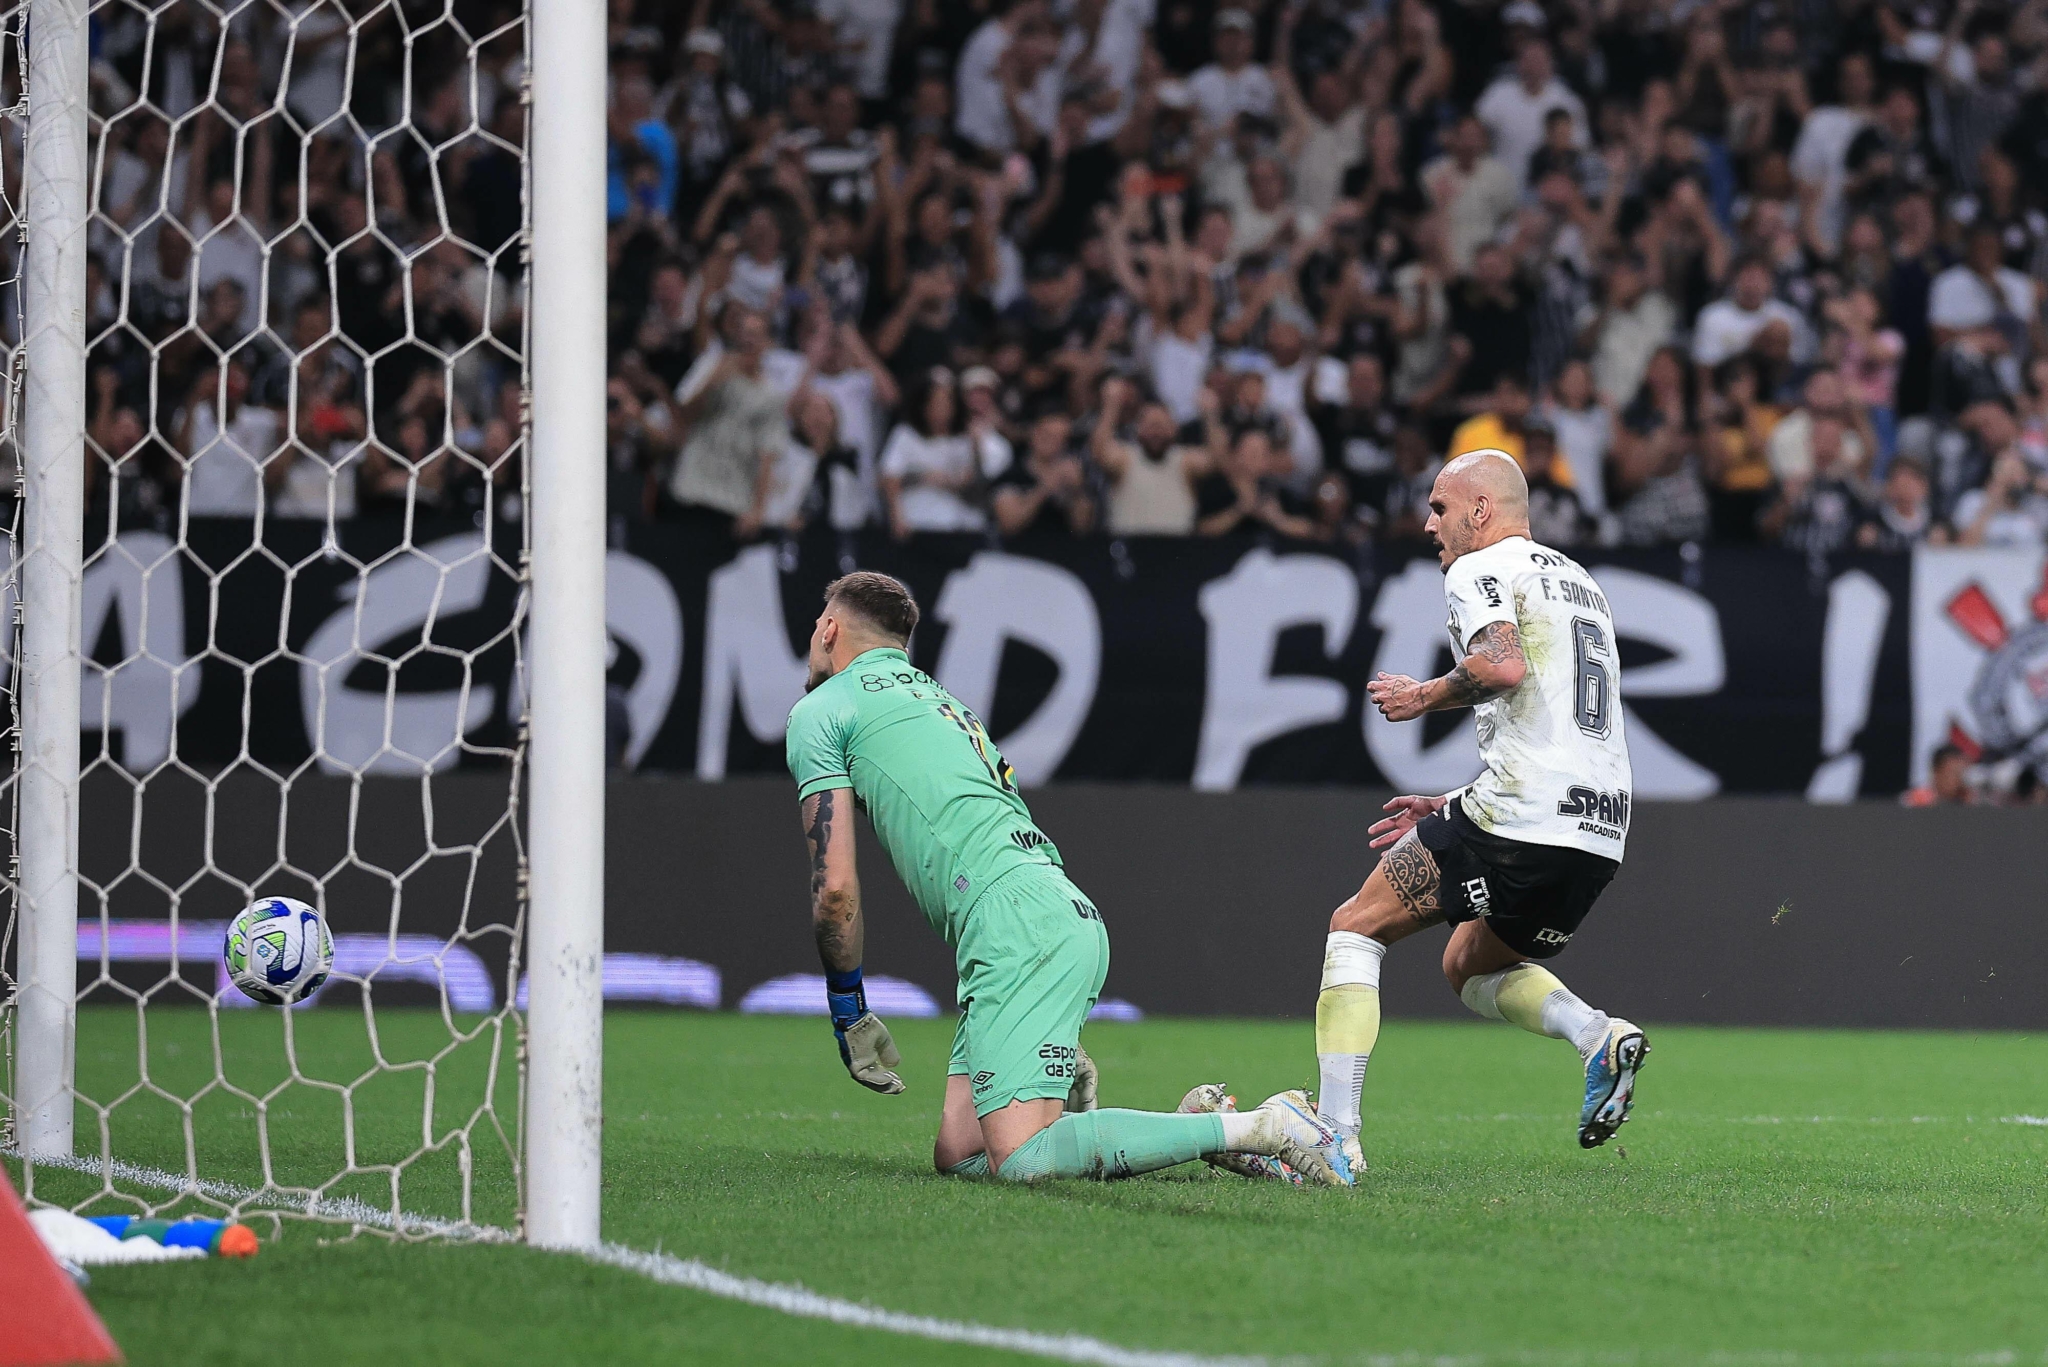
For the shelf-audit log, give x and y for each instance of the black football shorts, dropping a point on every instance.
(1532, 896)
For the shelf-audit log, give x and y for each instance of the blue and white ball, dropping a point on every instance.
(278, 951)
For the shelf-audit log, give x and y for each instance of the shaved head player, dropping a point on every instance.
(876, 732)
(1515, 859)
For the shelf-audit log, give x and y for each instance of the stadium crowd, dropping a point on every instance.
(1732, 272)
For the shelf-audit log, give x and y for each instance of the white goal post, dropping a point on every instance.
(565, 1024)
(208, 116)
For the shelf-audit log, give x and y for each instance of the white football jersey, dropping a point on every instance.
(1556, 757)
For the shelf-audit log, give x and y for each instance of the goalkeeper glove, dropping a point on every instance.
(864, 1044)
(1081, 1096)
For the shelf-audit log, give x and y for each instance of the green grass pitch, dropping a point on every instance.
(1785, 1198)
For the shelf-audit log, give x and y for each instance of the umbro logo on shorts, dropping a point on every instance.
(982, 1080)
(1478, 897)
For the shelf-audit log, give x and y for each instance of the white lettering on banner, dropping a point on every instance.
(1673, 618)
(1980, 653)
(641, 613)
(746, 655)
(1409, 613)
(138, 581)
(140, 695)
(1858, 608)
(1008, 597)
(1246, 610)
(387, 731)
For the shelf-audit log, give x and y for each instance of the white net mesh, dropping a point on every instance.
(302, 594)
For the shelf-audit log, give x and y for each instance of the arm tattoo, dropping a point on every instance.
(1461, 689)
(837, 949)
(1411, 871)
(819, 834)
(835, 916)
(1497, 643)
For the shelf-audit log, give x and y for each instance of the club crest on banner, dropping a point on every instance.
(1980, 657)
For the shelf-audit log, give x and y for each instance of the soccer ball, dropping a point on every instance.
(278, 951)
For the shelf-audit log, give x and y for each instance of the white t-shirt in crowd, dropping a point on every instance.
(1288, 390)
(1515, 118)
(233, 253)
(1220, 96)
(1583, 437)
(853, 491)
(317, 485)
(866, 29)
(781, 368)
(318, 72)
(1820, 158)
(911, 455)
(2024, 527)
(1557, 770)
(789, 479)
(1119, 43)
(225, 474)
(1327, 153)
(1960, 298)
(1790, 448)
(757, 284)
(1725, 329)
(1178, 368)
(980, 114)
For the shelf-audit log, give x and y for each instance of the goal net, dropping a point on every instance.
(299, 403)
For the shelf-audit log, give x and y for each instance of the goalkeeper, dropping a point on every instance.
(874, 731)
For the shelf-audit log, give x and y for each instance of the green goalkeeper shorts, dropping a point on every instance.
(1032, 958)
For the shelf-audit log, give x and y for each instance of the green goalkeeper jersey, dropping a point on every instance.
(921, 764)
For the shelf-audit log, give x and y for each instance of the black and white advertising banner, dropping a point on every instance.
(1212, 663)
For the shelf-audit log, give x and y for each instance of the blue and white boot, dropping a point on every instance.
(1326, 1155)
(1611, 1083)
(1214, 1096)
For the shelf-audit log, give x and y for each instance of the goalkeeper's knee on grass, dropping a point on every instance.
(1111, 1143)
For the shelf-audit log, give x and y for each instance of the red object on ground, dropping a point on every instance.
(44, 1320)
(237, 1241)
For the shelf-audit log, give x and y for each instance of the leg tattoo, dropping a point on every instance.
(1411, 871)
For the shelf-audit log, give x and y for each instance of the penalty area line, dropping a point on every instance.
(787, 1298)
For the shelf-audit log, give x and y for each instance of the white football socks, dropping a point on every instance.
(1530, 996)
(1347, 1026)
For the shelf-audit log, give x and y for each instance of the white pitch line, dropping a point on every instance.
(807, 1304)
(669, 1270)
(342, 1208)
(793, 1299)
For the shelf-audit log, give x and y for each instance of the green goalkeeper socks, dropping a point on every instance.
(1113, 1143)
(977, 1166)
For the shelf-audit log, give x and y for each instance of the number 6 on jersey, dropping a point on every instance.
(1595, 686)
